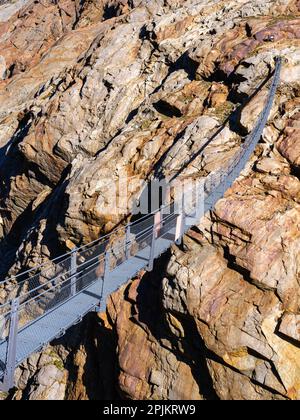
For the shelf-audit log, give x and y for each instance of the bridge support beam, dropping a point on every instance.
(11, 356)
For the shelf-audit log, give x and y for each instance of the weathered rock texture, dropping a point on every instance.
(92, 90)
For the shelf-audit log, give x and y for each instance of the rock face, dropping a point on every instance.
(93, 91)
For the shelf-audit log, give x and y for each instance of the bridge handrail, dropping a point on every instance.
(63, 257)
(95, 259)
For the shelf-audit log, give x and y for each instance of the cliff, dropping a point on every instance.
(92, 90)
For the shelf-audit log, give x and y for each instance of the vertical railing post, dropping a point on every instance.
(73, 271)
(106, 265)
(180, 227)
(152, 247)
(105, 284)
(180, 223)
(127, 242)
(158, 222)
(155, 233)
(11, 357)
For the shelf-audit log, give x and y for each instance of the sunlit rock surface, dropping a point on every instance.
(92, 90)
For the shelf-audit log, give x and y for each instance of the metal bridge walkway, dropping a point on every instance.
(54, 323)
(47, 300)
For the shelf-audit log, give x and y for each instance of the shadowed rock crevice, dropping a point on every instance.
(190, 349)
(97, 380)
(112, 10)
(295, 171)
(184, 62)
(246, 274)
(195, 354)
(232, 264)
(23, 227)
(167, 110)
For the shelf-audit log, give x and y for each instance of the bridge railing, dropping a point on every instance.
(53, 286)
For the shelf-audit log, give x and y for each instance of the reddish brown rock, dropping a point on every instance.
(33, 30)
(289, 146)
(93, 90)
(218, 95)
(290, 326)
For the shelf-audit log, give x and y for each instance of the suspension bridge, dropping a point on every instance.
(48, 299)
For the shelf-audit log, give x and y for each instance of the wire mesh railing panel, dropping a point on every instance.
(59, 293)
(88, 259)
(117, 251)
(168, 226)
(4, 325)
(5, 308)
(37, 307)
(141, 226)
(43, 281)
(89, 254)
(3, 357)
(87, 278)
(142, 242)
